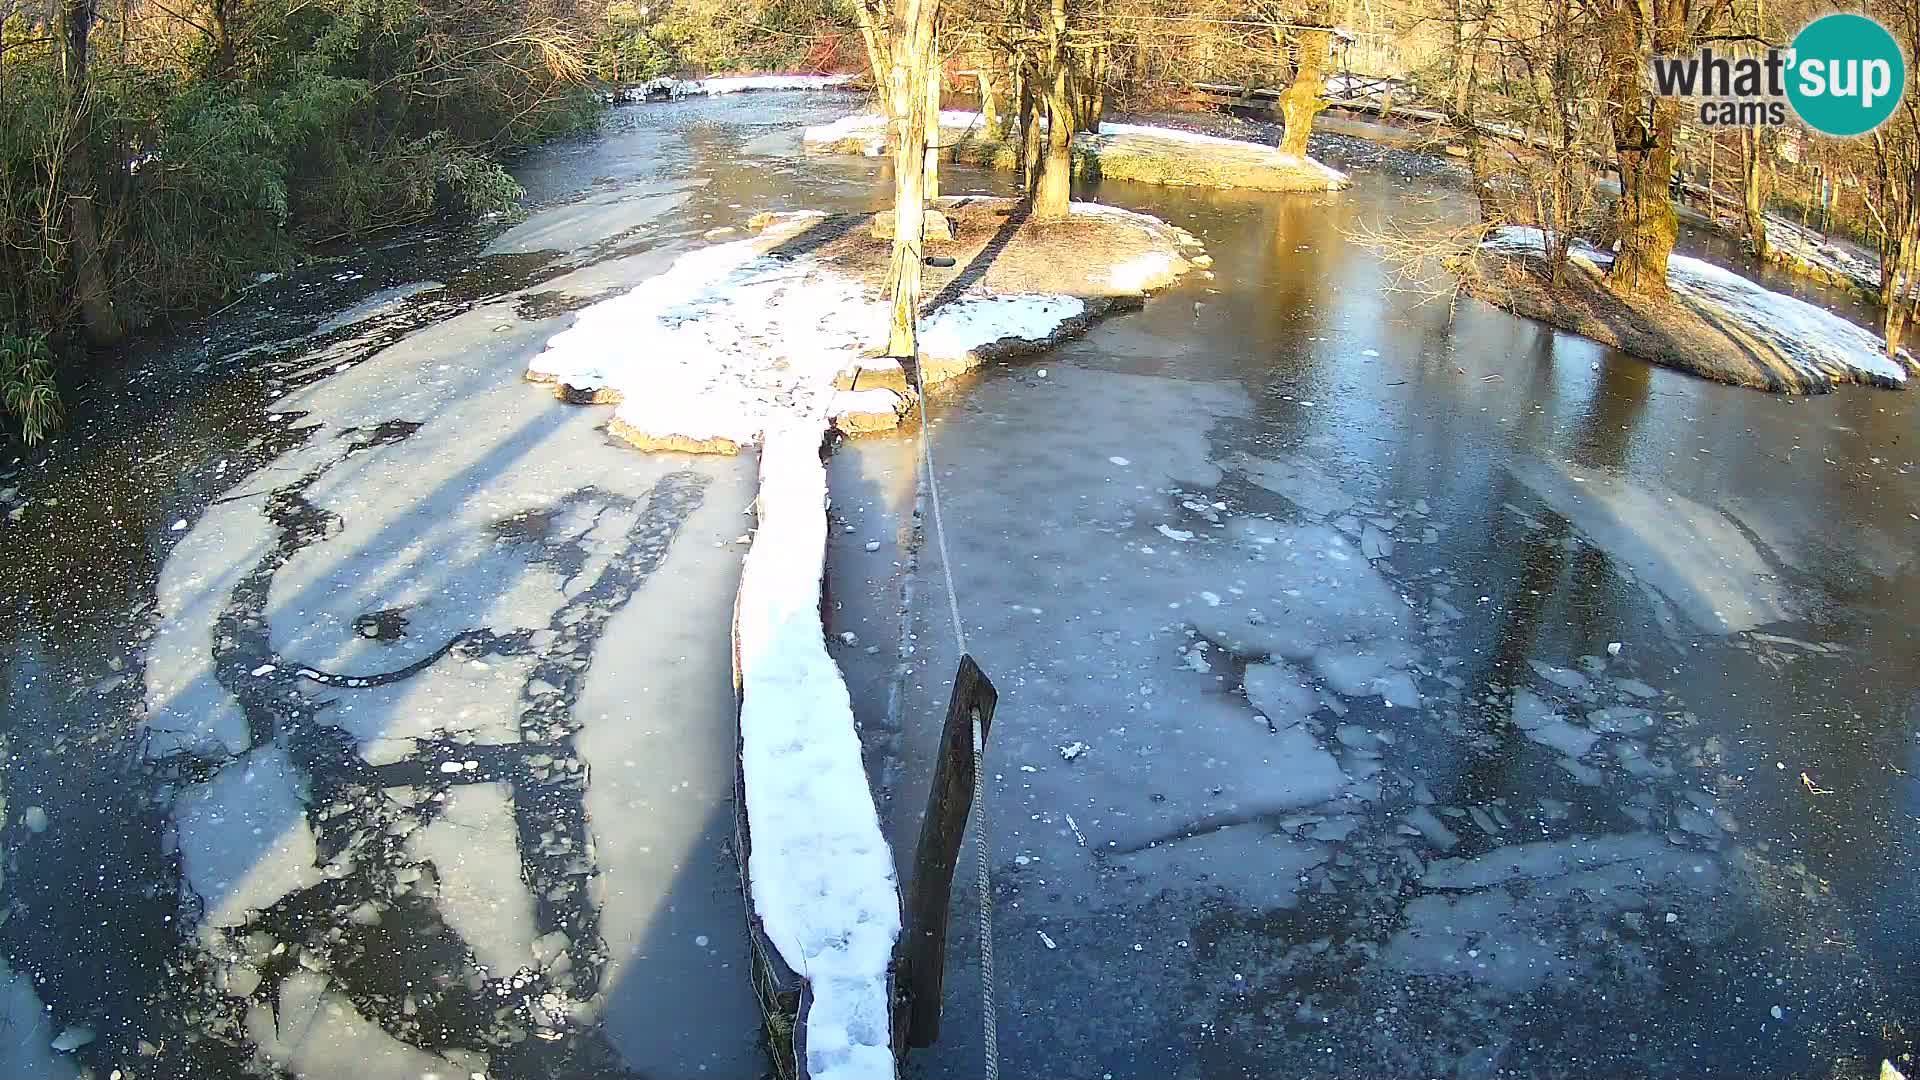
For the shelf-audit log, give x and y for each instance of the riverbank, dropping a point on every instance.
(1713, 322)
(1148, 154)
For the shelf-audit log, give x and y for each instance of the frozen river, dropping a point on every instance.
(1384, 691)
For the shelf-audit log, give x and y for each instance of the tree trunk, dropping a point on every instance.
(932, 187)
(989, 105)
(912, 57)
(1754, 169)
(879, 66)
(223, 51)
(1643, 144)
(1896, 279)
(1030, 149)
(97, 314)
(1303, 99)
(1096, 107)
(1054, 190)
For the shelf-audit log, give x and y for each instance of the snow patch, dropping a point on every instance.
(964, 326)
(820, 871)
(728, 339)
(668, 87)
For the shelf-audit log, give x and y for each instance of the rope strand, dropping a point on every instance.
(983, 881)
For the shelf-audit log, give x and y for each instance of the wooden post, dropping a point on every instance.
(949, 801)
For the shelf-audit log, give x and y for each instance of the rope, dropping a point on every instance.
(989, 1015)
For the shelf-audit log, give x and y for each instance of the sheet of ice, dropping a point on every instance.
(474, 847)
(660, 743)
(244, 838)
(1300, 482)
(1252, 863)
(821, 873)
(1818, 343)
(315, 1032)
(26, 1046)
(1559, 895)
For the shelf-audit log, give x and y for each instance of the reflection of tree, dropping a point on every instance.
(374, 927)
(1531, 565)
(1294, 253)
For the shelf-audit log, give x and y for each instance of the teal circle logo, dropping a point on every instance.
(1846, 74)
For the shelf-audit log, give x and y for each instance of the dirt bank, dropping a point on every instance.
(1713, 323)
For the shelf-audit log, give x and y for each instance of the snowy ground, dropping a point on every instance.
(866, 133)
(1841, 259)
(1820, 344)
(667, 88)
(737, 336)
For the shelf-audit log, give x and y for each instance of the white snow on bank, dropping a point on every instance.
(728, 339)
(1215, 142)
(821, 873)
(1836, 257)
(1817, 342)
(736, 83)
(666, 87)
(873, 127)
(1796, 327)
(966, 325)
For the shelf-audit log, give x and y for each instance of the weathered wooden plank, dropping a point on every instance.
(949, 801)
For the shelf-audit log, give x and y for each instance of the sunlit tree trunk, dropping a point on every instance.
(912, 50)
(1053, 192)
(1030, 149)
(989, 103)
(1753, 162)
(874, 21)
(932, 188)
(1643, 137)
(1897, 279)
(1304, 97)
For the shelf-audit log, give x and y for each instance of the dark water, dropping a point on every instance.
(1752, 555)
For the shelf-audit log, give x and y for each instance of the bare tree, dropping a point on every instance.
(97, 312)
(1304, 97)
(1631, 33)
